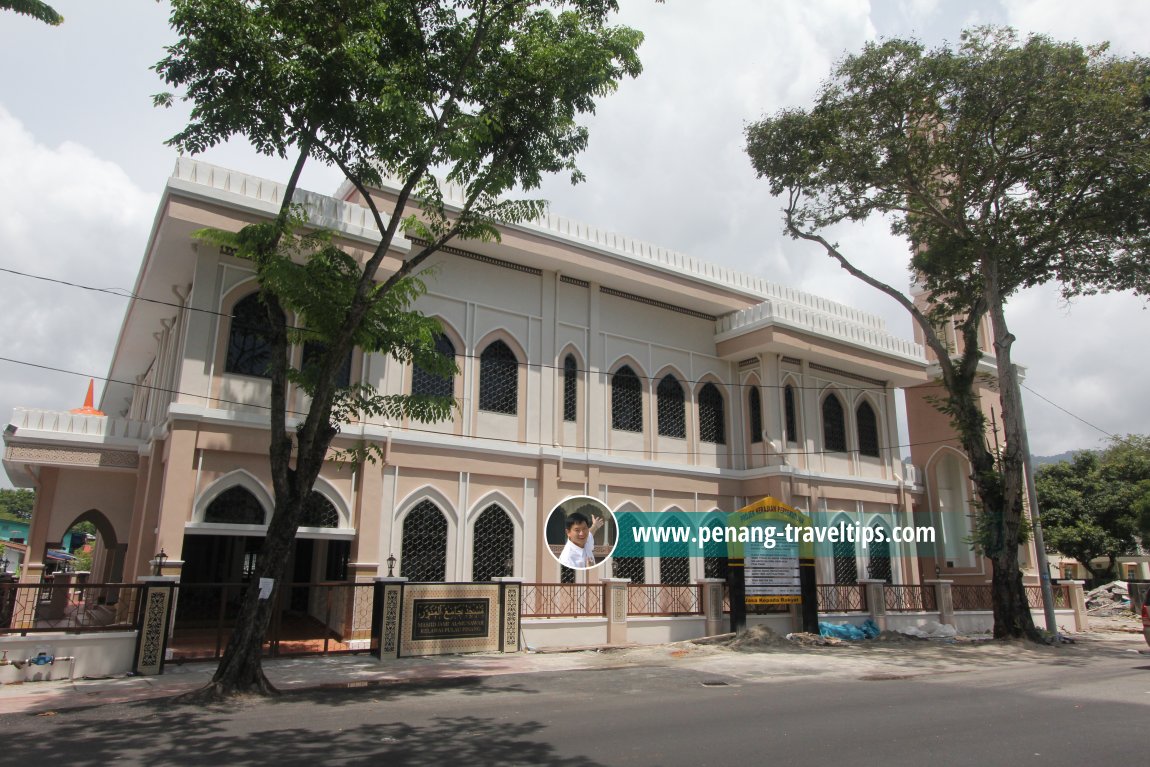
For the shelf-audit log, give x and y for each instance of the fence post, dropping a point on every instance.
(155, 609)
(943, 600)
(510, 612)
(875, 600)
(712, 589)
(1077, 600)
(615, 605)
(387, 600)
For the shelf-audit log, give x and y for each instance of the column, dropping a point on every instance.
(875, 600)
(615, 605)
(944, 600)
(712, 605)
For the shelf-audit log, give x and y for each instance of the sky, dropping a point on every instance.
(83, 163)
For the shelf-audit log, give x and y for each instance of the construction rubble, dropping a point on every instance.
(1110, 599)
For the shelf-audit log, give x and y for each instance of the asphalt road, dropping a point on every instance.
(1072, 710)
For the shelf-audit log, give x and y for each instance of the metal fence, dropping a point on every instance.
(27, 608)
(903, 599)
(307, 619)
(842, 598)
(664, 599)
(1059, 591)
(562, 600)
(971, 597)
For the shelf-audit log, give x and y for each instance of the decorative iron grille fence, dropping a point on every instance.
(561, 600)
(909, 598)
(1060, 593)
(841, 598)
(337, 619)
(971, 597)
(664, 599)
(27, 608)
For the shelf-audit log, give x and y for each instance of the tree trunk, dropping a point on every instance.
(1012, 617)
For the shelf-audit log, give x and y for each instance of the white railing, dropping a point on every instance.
(65, 422)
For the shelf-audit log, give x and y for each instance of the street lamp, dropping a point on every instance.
(161, 558)
(390, 565)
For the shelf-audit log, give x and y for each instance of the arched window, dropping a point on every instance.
(249, 350)
(715, 553)
(570, 388)
(318, 511)
(712, 424)
(429, 384)
(493, 545)
(834, 425)
(879, 566)
(312, 350)
(235, 506)
(671, 408)
(846, 567)
(499, 379)
(626, 401)
(424, 554)
(674, 565)
(566, 574)
(755, 408)
(790, 416)
(631, 568)
(868, 429)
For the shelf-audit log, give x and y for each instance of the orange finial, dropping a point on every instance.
(88, 408)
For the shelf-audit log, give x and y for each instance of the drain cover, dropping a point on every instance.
(715, 683)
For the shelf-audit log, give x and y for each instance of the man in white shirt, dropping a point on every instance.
(579, 551)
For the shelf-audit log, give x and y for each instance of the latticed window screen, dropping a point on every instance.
(846, 567)
(834, 425)
(424, 554)
(790, 415)
(235, 506)
(570, 388)
(631, 568)
(318, 511)
(755, 408)
(675, 570)
(423, 382)
(566, 574)
(868, 430)
(715, 554)
(671, 408)
(626, 401)
(249, 351)
(312, 350)
(498, 379)
(493, 545)
(879, 565)
(712, 423)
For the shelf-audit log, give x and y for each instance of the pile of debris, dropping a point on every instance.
(1111, 599)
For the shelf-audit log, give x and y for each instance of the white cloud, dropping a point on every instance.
(69, 215)
(1121, 22)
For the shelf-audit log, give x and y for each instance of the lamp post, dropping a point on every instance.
(161, 558)
(390, 565)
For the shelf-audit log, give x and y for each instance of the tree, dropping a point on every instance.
(1091, 504)
(1005, 165)
(17, 504)
(480, 94)
(35, 9)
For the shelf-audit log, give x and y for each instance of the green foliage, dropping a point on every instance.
(34, 8)
(1092, 505)
(17, 504)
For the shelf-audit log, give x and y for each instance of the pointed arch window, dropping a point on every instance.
(313, 350)
(834, 425)
(249, 345)
(715, 553)
(493, 545)
(755, 408)
(712, 423)
(318, 511)
(846, 567)
(499, 379)
(879, 566)
(790, 415)
(235, 506)
(868, 430)
(672, 409)
(429, 384)
(626, 401)
(570, 388)
(424, 552)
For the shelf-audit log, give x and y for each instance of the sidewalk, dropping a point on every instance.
(286, 674)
